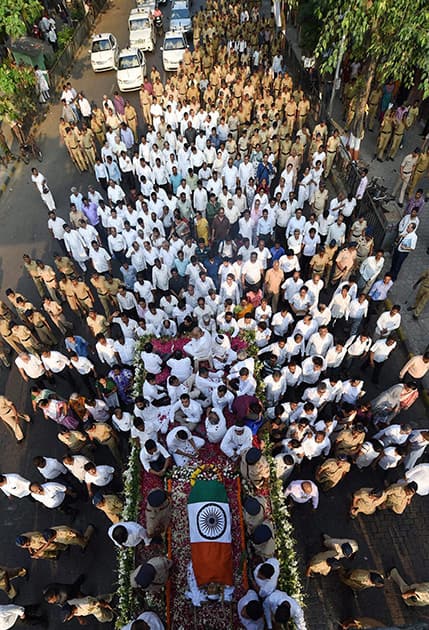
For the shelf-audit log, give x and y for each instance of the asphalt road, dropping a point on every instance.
(23, 220)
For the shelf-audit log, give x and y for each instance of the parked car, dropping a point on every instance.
(104, 52)
(180, 19)
(131, 69)
(141, 28)
(173, 49)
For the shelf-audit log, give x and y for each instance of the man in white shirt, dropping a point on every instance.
(97, 476)
(30, 367)
(237, 440)
(52, 495)
(388, 322)
(250, 611)
(279, 608)
(128, 534)
(302, 491)
(186, 411)
(183, 446)
(370, 270)
(266, 575)
(320, 342)
(13, 485)
(49, 467)
(378, 355)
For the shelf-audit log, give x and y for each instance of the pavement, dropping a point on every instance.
(384, 538)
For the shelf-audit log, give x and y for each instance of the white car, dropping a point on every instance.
(104, 52)
(142, 31)
(173, 50)
(180, 18)
(131, 69)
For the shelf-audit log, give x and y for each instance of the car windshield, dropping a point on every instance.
(139, 25)
(175, 43)
(100, 45)
(180, 14)
(130, 61)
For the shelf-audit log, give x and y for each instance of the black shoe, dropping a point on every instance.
(379, 160)
(410, 308)
(401, 205)
(415, 316)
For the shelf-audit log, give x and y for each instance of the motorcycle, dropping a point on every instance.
(157, 20)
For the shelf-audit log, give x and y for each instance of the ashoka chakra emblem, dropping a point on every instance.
(211, 521)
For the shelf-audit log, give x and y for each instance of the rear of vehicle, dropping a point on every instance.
(142, 34)
(180, 19)
(173, 50)
(131, 69)
(104, 52)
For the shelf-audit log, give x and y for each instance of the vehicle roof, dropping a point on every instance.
(180, 4)
(174, 35)
(128, 51)
(101, 36)
(140, 12)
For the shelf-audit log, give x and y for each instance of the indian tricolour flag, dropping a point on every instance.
(210, 533)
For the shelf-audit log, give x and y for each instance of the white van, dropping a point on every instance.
(141, 28)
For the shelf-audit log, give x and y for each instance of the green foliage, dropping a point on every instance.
(310, 26)
(127, 605)
(64, 36)
(388, 36)
(16, 15)
(17, 87)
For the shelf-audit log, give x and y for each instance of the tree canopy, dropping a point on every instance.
(16, 15)
(389, 37)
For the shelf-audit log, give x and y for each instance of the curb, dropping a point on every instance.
(403, 338)
(10, 171)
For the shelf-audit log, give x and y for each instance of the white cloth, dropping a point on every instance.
(135, 534)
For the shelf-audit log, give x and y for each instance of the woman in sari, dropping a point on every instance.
(107, 389)
(391, 402)
(124, 380)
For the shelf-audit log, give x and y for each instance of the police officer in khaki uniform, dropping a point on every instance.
(87, 142)
(397, 137)
(37, 546)
(67, 536)
(145, 103)
(255, 468)
(361, 579)
(322, 564)
(33, 271)
(422, 295)
(253, 512)
(64, 264)
(98, 282)
(373, 103)
(67, 288)
(21, 334)
(83, 295)
(366, 501)
(416, 594)
(131, 119)
(398, 497)
(7, 336)
(332, 146)
(157, 512)
(6, 576)
(384, 135)
(263, 542)
(41, 328)
(111, 504)
(421, 167)
(290, 113)
(75, 150)
(153, 575)
(47, 275)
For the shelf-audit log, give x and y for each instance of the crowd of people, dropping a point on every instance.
(215, 222)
